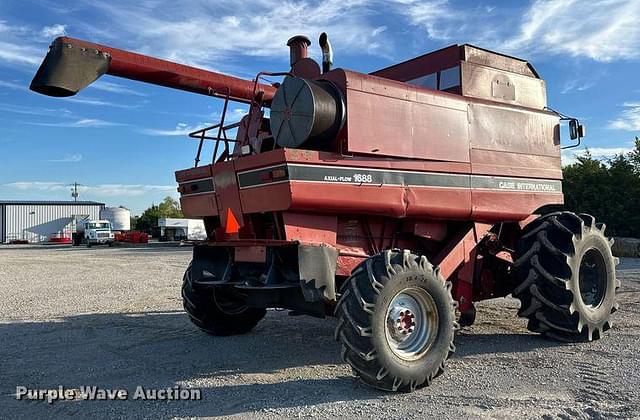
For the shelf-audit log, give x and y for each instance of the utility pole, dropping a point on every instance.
(74, 191)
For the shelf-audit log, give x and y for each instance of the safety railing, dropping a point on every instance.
(201, 134)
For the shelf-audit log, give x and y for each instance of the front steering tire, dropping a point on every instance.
(396, 321)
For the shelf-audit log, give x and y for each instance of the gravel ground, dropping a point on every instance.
(112, 318)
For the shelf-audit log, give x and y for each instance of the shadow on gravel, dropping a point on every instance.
(160, 350)
(470, 344)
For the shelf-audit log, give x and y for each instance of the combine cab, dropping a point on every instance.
(392, 200)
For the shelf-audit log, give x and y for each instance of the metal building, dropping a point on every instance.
(37, 221)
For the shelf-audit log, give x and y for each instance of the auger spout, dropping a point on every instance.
(72, 64)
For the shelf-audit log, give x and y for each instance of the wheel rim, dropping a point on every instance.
(593, 278)
(411, 324)
(229, 301)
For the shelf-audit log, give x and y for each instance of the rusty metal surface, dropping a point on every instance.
(152, 70)
(479, 81)
(389, 118)
(425, 64)
(513, 130)
(199, 205)
(312, 228)
(477, 55)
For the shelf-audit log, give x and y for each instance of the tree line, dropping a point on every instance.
(608, 190)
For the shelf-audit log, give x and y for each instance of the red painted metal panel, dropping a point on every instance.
(479, 81)
(226, 186)
(494, 162)
(275, 197)
(199, 205)
(193, 173)
(496, 206)
(425, 64)
(378, 162)
(312, 228)
(391, 201)
(346, 264)
(439, 203)
(261, 160)
(409, 122)
(513, 129)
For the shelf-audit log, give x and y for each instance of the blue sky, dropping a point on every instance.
(123, 140)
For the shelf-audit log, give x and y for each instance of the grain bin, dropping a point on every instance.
(119, 217)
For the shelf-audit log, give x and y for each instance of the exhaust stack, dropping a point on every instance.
(327, 52)
(72, 64)
(298, 49)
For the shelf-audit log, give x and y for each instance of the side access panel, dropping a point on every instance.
(197, 192)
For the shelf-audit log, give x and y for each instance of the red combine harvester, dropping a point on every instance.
(392, 200)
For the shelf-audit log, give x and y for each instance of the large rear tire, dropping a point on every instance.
(220, 311)
(396, 321)
(566, 275)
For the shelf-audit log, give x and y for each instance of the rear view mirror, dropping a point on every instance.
(576, 130)
(573, 129)
(582, 131)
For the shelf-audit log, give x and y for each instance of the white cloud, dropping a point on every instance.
(182, 129)
(191, 33)
(53, 31)
(603, 30)
(20, 54)
(129, 190)
(443, 20)
(17, 47)
(99, 102)
(66, 159)
(114, 88)
(105, 190)
(36, 185)
(82, 123)
(569, 155)
(629, 119)
(12, 85)
(577, 85)
(34, 110)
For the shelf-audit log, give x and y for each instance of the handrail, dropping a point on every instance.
(222, 131)
(256, 102)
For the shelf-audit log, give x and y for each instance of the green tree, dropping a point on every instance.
(608, 190)
(148, 220)
(634, 156)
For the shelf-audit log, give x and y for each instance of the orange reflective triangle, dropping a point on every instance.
(232, 223)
